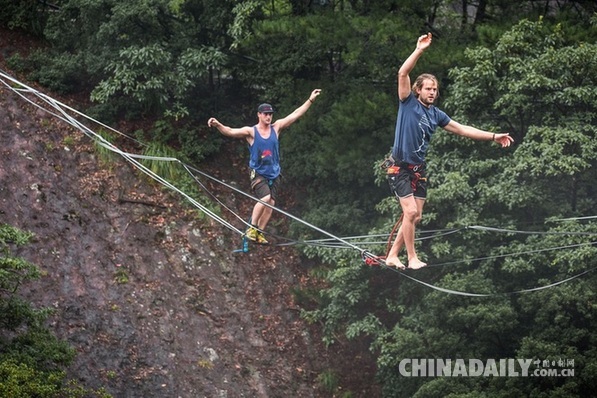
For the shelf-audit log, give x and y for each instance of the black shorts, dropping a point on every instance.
(263, 187)
(408, 182)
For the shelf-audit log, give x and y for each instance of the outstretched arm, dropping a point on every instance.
(297, 113)
(404, 88)
(474, 133)
(242, 132)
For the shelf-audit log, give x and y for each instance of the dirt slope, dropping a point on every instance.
(149, 294)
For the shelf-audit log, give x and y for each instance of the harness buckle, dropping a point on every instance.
(387, 163)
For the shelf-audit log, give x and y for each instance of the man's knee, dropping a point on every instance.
(418, 218)
(411, 214)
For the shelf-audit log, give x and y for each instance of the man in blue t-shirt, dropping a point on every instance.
(417, 121)
(264, 160)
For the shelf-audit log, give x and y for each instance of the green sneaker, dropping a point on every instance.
(261, 238)
(252, 234)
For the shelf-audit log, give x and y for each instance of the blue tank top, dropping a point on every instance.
(265, 154)
(415, 125)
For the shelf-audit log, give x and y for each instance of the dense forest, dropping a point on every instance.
(501, 228)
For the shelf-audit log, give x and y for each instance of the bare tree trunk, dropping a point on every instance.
(481, 13)
(464, 16)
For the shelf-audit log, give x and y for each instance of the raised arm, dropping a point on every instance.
(242, 132)
(404, 86)
(297, 113)
(474, 133)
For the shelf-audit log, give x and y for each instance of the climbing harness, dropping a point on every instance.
(415, 170)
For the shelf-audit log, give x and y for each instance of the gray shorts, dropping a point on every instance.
(263, 187)
(407, 182)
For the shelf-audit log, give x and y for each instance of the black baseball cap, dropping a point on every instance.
(265, 108)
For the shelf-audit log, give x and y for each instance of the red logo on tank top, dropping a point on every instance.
(266, 153)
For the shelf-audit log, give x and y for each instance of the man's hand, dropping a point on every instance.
(314, 94)
(503, 139)
(424, 41)
(212, 122)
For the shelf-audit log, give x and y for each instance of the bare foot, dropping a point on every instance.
(415, 263)
(394, 262)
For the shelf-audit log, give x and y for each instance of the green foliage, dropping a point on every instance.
(541, 88)
(138, 72)
(32, 360)
(104, 145)
(198, 147)
(159, 54)
(535, 86)
(39, 348)
(14, 270)
(150, 76)
(345, 301)
(352, 53)
(182, 61)
(165, 162)
(22, 381)
(10, 234)
(29, 16)
(190, 145)
(328, 380)
(240, 30)
(17, 312)
(156, 153)
(121, 276)
(63, 73)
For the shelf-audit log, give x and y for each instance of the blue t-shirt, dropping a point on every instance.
(265, 154)
(415, 125)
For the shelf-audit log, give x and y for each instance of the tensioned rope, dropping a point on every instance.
(66, 117)
(461, 293)
(61, 111)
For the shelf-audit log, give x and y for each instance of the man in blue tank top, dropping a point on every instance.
(264, 160)
(416, 122)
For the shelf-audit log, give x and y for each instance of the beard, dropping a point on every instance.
(427, 101)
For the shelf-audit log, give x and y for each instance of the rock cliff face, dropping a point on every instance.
(149, 294)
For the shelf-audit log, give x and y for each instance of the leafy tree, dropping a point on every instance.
(182, 60)
(351, 51)
(157, 59)
(32, 360)
(541, 88)
(538, 86)
(25, 15)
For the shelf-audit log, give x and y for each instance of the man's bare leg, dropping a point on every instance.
(392, 259)
(261, 213)
(412, 209)
(265, 215)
